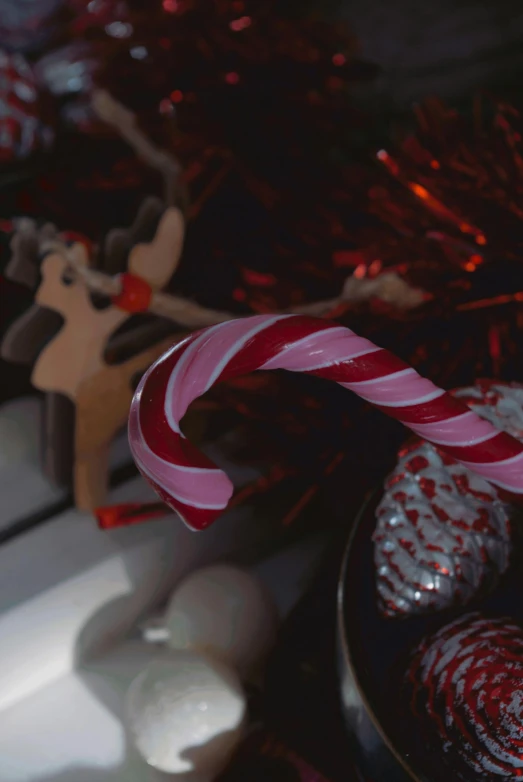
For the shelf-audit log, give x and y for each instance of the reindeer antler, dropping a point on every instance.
(120, 241)
(153, 262)
(25, 247)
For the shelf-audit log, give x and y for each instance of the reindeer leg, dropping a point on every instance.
(58, 439)
(91, 478)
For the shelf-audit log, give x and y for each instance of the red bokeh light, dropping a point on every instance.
(240, 24)
(165, 106)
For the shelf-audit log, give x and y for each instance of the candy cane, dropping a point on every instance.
(194, 487)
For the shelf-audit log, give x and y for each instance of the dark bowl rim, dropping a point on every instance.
(344, 642)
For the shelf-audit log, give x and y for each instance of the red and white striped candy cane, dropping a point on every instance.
(194, 487)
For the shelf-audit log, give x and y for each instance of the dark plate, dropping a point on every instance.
(373, 654)
(368, 647)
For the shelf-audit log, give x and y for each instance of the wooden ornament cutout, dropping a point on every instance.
(57, 447)
(97, 421)
(26, 337)
(32, 336)
(75, 350)
(73, 363)
(119, 241)
(148, 260)
(25, 247)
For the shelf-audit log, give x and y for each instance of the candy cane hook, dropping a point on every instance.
(194, 487)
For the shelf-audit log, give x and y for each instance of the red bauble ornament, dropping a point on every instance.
(465, 686)
(443, 533)
(22, 130)
(135, 295)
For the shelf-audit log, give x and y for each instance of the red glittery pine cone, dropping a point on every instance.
(443, 534)
(465, 686)
(22, 130)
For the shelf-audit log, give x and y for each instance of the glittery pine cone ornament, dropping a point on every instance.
(22, 129)
(465, 689)
(443, 533)
(27, 25)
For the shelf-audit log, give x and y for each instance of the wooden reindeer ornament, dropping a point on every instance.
(78, 347)
(36, 327)
(29, 335)
(73, 362)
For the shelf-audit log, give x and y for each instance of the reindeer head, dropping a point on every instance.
(67, 282)
(60, 288)
(25, 338)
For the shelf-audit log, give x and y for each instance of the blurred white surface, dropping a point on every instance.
(67, 589)
(70, 596)
(70, 729)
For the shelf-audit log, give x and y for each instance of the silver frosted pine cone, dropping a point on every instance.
(443, 533)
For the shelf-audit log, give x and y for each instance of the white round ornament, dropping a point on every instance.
(226, 612)
(185, 713)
